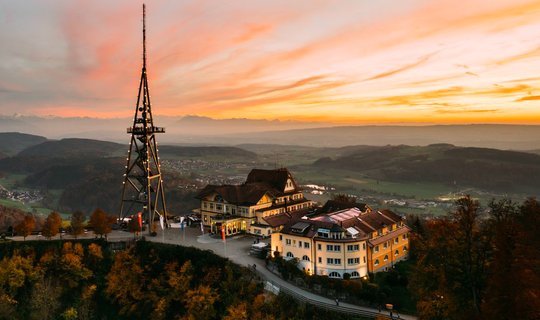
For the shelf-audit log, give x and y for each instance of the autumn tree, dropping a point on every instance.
(45, 299)
(77, 223)
(237, 312)
(451, 262)
(200, 303)
(527, 301)
(101, 222)
(472, 245)
(513, 286)
(26, 226)
(52, 225)
(134, 227)
(125, 283)
(73, 270)
(503, 279)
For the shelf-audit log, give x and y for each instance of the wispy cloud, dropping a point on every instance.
(358, 60)
(400, 69)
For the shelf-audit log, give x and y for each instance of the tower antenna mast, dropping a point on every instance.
(142, 190)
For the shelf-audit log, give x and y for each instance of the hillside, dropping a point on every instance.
(72, 148)
(12, 143)
(490, 169)
(210, 151)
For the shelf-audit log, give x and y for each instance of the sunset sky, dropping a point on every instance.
(345, 61)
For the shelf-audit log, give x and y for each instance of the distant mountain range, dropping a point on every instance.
(195, 130)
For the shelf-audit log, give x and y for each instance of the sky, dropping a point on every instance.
(345, 61)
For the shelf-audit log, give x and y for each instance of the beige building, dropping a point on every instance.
(244, 208)
(351, 241)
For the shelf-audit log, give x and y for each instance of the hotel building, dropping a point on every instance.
(244, 208)
(349, 242)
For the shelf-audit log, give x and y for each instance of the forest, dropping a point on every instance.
(478, 263)
(88, 280)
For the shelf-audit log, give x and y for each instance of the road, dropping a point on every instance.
(236, 249)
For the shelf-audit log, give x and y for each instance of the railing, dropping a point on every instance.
(141, 130)
(323, 305)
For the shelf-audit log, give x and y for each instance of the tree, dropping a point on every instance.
(451, 261)
(200, 302)
(125, 283)
(52, 225)
(237, 312)
(77, 223)
(134, 227)
(101, 223)
(473, 247)
(26, 226)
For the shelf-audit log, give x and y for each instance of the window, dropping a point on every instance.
(386, 258)
(288, 242)
(396, 253)
(396, 240)
(280, 238)
(364, 246)
(219, 207)
(385, 244)
(319, 246)
(404, 248)
(290, 255)
(306, 245)
(320, 260)
(355, 274)
(353, 261)
(353, 247)
(329, 247)
(404, 236)
(377, 249)
(364, 259)
(376, 262)
(334, 275)
(205, 205)
(333, 261)
(337, 248)
(305, 258)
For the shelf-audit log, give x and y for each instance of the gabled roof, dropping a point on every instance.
(285, 218)
(238, 194)
(276, 178)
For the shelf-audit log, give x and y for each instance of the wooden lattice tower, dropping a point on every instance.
(142, 189)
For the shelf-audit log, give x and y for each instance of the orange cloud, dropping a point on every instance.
(528, 98)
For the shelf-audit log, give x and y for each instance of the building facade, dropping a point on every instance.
(244, 208)
(346, 243)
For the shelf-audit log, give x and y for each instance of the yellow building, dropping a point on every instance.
(351, 241)
(243, 208)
